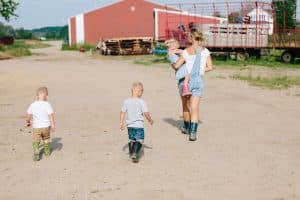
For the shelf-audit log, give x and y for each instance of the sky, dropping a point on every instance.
(40, 13)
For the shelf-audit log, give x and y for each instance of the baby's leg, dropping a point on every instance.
(185, 86)
(186, 79)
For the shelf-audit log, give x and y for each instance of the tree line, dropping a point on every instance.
(56, 32)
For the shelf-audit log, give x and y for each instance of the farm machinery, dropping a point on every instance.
(240, 29)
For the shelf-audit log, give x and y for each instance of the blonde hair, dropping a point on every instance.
(172, 43)
(137, 85)
(42, 90)
(196, 35)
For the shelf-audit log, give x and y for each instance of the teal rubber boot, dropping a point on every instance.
(193, 131)
(186, 127)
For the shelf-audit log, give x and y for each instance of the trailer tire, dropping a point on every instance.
(287, 57)
(242, 56)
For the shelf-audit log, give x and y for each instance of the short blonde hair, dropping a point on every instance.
(137, 85)
(172, 43)
(42, 90)
(196, 35)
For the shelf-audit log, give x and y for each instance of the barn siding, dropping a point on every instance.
(72, 30)
(125, 19)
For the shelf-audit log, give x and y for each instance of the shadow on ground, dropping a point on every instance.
(56, 145)
(174, 122)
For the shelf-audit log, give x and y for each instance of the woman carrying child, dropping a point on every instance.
(197, 61)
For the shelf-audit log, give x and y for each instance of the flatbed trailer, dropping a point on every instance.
(238, 28)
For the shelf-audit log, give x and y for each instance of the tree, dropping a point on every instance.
(22, 33)
(64, 32)
(285, 13)
(8, 8)
(6, 30)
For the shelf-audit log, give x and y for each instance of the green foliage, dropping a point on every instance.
(74, 47)
(21, 48)
(22, 33)
(8, 8)
(285, 13)
(18, 49)
(52, 32)
(280, 82)
(6, 30)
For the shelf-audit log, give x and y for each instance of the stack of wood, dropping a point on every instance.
(126, 46)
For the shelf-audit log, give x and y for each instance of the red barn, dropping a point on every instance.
(127, 18)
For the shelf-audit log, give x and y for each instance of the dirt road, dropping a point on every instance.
(248, 147)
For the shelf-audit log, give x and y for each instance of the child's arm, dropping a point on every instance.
(149, 118)
(209, 64)
(28, 120)
(122, 121)
(178, 64)
(52, 124)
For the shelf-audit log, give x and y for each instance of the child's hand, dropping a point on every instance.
(151, 122)
(27, 125)
(122, 126)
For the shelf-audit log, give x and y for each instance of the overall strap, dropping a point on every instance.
(196, 66)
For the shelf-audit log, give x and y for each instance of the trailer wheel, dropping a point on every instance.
(287, 57)
(242, 56)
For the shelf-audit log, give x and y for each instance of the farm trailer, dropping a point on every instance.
(237, 28)
(126, 46)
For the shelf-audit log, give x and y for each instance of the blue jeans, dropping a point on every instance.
(136, 134)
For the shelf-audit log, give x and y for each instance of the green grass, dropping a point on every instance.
(21, 48)
(150, 60)
(75, 47)
(279, 82)
(272, 61)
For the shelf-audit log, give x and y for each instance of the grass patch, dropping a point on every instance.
(272, 61)
(221, 76)
(280, 82)
(21, 48)
(75, 47)
(150, 60)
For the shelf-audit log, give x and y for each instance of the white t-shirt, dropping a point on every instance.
(40, 111)
(190, 59)
(135, 109)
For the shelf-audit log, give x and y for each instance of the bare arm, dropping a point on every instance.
(28, 120)
(52, 124)
(122, 120)
(209, 64)
(148, 117)
(178, 64)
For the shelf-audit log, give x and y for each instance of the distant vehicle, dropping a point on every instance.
(42, 38)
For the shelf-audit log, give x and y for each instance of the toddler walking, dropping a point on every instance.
(136, 109)
(40, 113)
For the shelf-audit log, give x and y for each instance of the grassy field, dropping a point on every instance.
(268, 63)
(20, 48)
(277, 82)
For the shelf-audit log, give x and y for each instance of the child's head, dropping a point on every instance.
(172, 44)
(137, 89)
(42, 93)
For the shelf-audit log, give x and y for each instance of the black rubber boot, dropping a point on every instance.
(136, 150)
(193, 131)
(130, 147)
(186, 127)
